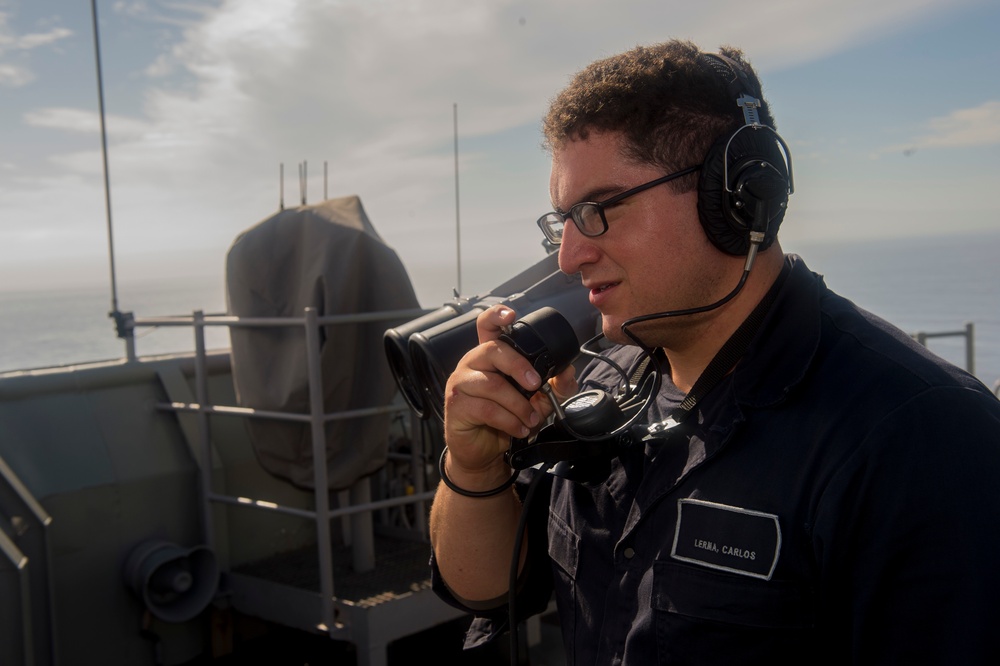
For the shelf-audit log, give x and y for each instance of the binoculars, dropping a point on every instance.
(423, 352)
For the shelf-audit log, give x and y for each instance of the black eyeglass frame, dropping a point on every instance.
(601, 205)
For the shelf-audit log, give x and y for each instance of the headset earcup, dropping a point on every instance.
(726, 223)
(710, 194)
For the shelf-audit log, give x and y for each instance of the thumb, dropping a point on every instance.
(564, 384)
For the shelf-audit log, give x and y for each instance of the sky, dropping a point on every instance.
(891, 110)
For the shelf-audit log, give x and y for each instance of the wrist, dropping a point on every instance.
(491, 482)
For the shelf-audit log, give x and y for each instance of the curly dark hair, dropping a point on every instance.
(666, 99)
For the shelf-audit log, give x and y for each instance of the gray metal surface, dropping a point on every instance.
(372, 608)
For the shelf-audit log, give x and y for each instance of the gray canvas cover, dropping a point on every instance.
(330, 257)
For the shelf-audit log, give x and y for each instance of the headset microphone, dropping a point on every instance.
(587, 423)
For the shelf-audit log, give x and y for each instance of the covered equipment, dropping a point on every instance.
(327, 256)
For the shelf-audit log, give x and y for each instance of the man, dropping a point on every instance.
(830, 497)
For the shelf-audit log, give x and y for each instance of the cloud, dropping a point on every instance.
(786, 34)
(375, 81)
(79, 120)
(16, 74)
(978, 126)
(165, 12)
(233, 89)
(9, 41)
(962, 128)
(36, 39)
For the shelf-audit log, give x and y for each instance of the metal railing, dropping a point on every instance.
(316, 418)
(25, 544)
(970, 342)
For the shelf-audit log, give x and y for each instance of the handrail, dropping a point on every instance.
(251, 412)
(127, 322)
(332, 513)
(20, 562)
(316, 417)
(29, 525)
(970, 344)
(235, 321)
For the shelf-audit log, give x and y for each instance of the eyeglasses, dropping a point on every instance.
(589, 215)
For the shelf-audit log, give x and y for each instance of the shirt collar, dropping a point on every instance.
(784, 347)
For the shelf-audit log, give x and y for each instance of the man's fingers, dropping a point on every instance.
(478, 393)
(564, 384)
(491, 322)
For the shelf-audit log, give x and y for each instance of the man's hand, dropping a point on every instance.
(483, 410)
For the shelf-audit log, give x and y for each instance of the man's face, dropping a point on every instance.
(654, 257)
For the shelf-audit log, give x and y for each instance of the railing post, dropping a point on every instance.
(204, 433)
(970, 348)
(125, 327)
(21, 567)
(25, 544)
(321, 485)
(417, 469)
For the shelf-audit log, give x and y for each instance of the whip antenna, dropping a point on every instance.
(458, 227)
(104, 156)
(123, 320)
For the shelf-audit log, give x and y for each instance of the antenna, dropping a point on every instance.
(122, 319)
(458, 226)
(281, 186)
(325, 196)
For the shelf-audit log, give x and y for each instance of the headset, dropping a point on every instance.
(746, 179)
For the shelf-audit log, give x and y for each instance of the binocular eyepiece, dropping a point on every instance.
(424, 352)
(418, 362)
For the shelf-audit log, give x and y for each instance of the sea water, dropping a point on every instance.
(55, 327)
(929, 284)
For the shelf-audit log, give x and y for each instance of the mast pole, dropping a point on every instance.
(458, 226)
(122, 320)
(104, 156)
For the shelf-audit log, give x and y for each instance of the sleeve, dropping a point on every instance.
(534, 586)
(907, 535)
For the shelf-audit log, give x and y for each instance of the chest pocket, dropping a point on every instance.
(703, 594)
(726, 618)
(564, 545)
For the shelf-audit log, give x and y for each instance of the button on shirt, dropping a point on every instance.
(831, 501)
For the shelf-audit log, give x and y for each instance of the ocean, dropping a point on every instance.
(919, 284)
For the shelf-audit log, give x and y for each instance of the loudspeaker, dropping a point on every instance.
(746, 178)
(174, 583)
